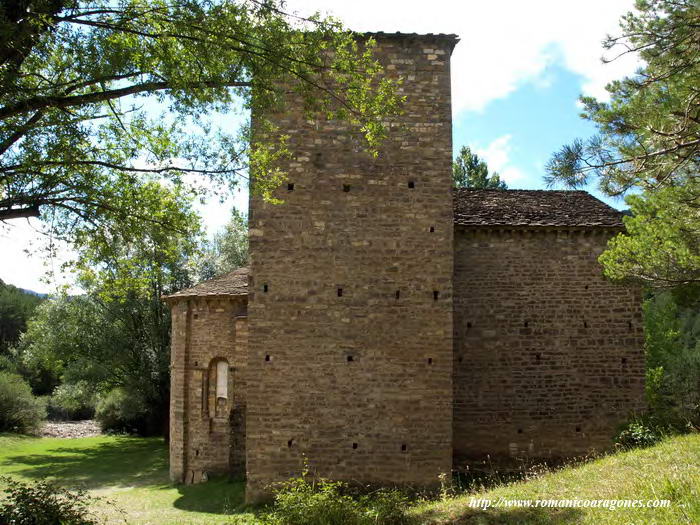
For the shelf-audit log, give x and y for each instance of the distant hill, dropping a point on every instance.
(32, 292)
(3, 284)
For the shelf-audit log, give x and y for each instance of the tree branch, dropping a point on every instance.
(19, 213)
(47, 102)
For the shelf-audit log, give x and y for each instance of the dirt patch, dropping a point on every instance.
(70, 429)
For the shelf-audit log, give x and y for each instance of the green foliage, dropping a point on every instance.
(117, 334)
(45, 503)
(227, 251)
(102, 103)
(106, 344)
(20, 411)
(661, 247)
(305, 501)
(469, 171)
(120, 411)
(16, 307)
(72, 401)
(648, 140)
(640, 432)
(672, 332)
(649, 132)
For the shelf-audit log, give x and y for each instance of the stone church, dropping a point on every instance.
(390, 328)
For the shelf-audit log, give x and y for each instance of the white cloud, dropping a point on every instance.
(497, 156)
(503, 43)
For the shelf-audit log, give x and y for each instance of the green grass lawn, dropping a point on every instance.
(133, 473)
(669, 470)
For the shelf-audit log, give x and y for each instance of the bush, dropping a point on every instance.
(642, 432)
(44, 503)
(122, 412)
(301, 501)
(74, 401)
(20, 411)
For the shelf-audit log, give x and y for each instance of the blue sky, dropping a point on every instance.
(519, 133)
(517, 74)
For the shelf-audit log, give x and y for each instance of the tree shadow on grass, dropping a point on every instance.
(123, 462)
(216, 496)
(503, 516)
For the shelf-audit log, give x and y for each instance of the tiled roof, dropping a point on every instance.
(524, 208)
(233, 283)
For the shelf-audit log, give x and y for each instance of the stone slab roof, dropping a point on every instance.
(230, 284)
(528, 208)
(450, 38)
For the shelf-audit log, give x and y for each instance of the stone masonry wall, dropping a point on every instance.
(548, 354)
(205, 331)
(350, 308)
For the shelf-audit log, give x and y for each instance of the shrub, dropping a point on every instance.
(122, 412)
(20, 411)
(44, 503)
(72, 401)
(302, 501)
(642, 432)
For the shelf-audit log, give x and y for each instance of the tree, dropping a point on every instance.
(648, 140)
(16, 307)
(118, 334)
(469, 171)
(100, 99)
(227, 251)
(662, 245)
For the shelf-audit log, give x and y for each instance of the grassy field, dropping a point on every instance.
(670, 470)
(132, 472)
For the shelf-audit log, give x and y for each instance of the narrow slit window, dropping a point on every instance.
(222, 380)
(290, 186)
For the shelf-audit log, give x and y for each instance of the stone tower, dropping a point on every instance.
(350, 298)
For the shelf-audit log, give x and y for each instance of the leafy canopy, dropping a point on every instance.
(469, 171)
(101, 101)
(648, 141)
(649, 132)
(227, 250)
(16, 307)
